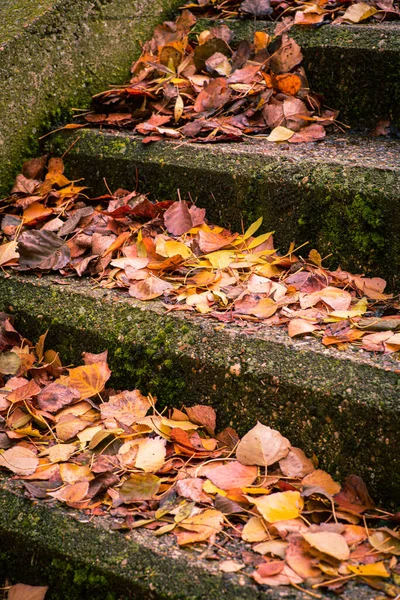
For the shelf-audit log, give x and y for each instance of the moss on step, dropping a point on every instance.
(66, 51)
(342, 408)
(340, 197)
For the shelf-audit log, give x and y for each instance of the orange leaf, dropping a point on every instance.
(89, 380)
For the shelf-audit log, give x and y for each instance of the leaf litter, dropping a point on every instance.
(168, 250)
(307, 13)
(207, 88)
(287, 522)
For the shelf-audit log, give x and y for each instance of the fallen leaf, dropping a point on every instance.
(232, 475)
(262, 446)
(19, 460)
(89, 380)
(200, 527)
(359, 11)
(332, 544)
(279, 506)
(21, 591)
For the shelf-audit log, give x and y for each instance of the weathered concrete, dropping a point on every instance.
(342, 406)
(355, 67)
(341, 195)
(79, 557)
(54, 55)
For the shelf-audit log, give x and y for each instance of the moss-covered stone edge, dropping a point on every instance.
(59, 60)
(47, 545)
(351, 213)
(346, 412)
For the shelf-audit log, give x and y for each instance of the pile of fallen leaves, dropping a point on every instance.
(301, 12)
(168, 250)
(112, 453)
(198, 88)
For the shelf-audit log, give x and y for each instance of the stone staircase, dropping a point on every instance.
(341, 195)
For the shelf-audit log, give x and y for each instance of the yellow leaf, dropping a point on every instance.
(221, 259)
(373, 570)
(329, 543)
(359, 12)
(178, 109)
(200, 527)
(280, 134)
(280, 506)
(173, 248)
(259, 240)
(210, 488)
(254, 530)
(253, 228)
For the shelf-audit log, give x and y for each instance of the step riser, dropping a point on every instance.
(349, 211)
(356, 68)
(347, 413)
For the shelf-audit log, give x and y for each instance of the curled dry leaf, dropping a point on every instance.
(200, 527)
(255, 530)
(262, 446)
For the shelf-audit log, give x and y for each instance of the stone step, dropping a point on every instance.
(355, 67)
(342, 406)
(341, 194)
(54, 55)
(79, 557)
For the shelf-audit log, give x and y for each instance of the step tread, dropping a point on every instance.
(341, 406)
(382, 37)
(351, 150)
(136, 563)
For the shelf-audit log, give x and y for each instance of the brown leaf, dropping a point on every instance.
(42, 250)
(24, 392)
(54, 396)
(257, 8)
(150, 288)
(232, 475)
(296, 464)
(213, 96)
(139, 487)
(19, 460)
(126, 407)
(262, 446)
(21, 591)
(202, 415)
(321, 479)
(192, 489)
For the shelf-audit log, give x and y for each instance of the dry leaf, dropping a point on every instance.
(280, 506)
(262, 446)
(326, 542)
